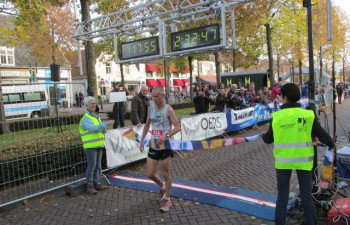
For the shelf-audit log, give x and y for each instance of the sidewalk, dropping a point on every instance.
(247, 166)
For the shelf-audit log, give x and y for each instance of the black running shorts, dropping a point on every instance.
(160, 154)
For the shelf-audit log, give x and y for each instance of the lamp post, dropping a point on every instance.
(307, 4)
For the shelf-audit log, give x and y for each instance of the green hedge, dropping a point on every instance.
(29, 124)
(51, 157)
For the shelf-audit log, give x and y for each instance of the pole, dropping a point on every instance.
(87, 69)
(311, 54)
(307, 4)
(334, 99)
(191, 75)
(165, 81)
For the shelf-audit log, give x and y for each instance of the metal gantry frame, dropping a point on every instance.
(159, 17)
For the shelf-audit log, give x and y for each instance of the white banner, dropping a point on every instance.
(122, 150)
(203, 126)
(243, 115)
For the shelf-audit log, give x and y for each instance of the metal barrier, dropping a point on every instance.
(40, 146)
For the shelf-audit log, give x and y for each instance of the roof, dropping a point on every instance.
(325, 76)
(240, 73)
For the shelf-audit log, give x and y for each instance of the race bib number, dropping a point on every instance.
(157, 133)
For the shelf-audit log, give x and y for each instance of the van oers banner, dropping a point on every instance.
(203, 126)
(121, 150)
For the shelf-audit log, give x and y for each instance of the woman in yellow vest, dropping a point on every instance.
(92, 130)
(291, 130)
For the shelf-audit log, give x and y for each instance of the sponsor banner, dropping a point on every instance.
(121, 150)
(240, 119)
(203, 126)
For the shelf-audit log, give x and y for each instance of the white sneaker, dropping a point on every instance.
(166, 205)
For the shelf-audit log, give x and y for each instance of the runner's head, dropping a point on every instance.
(158, 95)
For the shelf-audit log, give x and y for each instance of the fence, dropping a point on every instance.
(40, 146)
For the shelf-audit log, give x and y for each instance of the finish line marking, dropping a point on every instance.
(204, 190)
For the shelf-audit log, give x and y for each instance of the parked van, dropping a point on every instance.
(25, 101)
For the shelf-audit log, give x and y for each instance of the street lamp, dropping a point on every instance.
(307, 4)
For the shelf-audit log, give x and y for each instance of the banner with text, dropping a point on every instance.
(203, 126)
(240, 119)
(121, 150)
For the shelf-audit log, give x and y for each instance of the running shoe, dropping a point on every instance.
(161, 194)
(166, 205)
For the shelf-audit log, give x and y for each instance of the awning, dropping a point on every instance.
(178, 83)
(208, 79)
(161, 82)
(153, 68)
(151, 83)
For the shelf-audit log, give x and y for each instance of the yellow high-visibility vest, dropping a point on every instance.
(293, 147)
(91, 139)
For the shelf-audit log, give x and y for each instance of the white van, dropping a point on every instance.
(25, 101)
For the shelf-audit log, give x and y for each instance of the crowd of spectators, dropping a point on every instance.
(233, 97)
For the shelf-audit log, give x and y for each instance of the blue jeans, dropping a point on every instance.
(94, 168)
(305, 188)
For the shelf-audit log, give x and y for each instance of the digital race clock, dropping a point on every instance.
(139, 48)
(195, 38)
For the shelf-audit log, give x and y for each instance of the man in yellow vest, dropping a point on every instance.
(92, 130)
(291, 130)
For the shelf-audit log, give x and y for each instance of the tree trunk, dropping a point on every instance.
(217, 68)
(269, 51)
(321, 66)
(301, 72)
(234, 60)
(199, 77)
(121, 73)
(90, 59)
(190, 66)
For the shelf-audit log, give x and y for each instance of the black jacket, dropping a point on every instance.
(201, 104)
(317, 130)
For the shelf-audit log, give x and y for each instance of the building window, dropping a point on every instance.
(108, 68)
(7, 56)
(200, 68)
(211, 66)
(127, 69)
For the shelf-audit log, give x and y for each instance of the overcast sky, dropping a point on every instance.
(343, 4)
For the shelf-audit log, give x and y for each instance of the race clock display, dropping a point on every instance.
(140, 48)
(195, 38)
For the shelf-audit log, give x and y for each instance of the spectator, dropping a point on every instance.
(139, 107)
(92, 134)
(242, 99)
(266, 95)
(196, 91)
(259, 97)
(276, 89)
(249, 98)
(201, 103)
(304, 90)
(221, 86)
(232, 98)
(176, 95)
(77, 99)
(81, 99)
(220, 102)
(252, 88)
(340, 90)
(119, 107)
